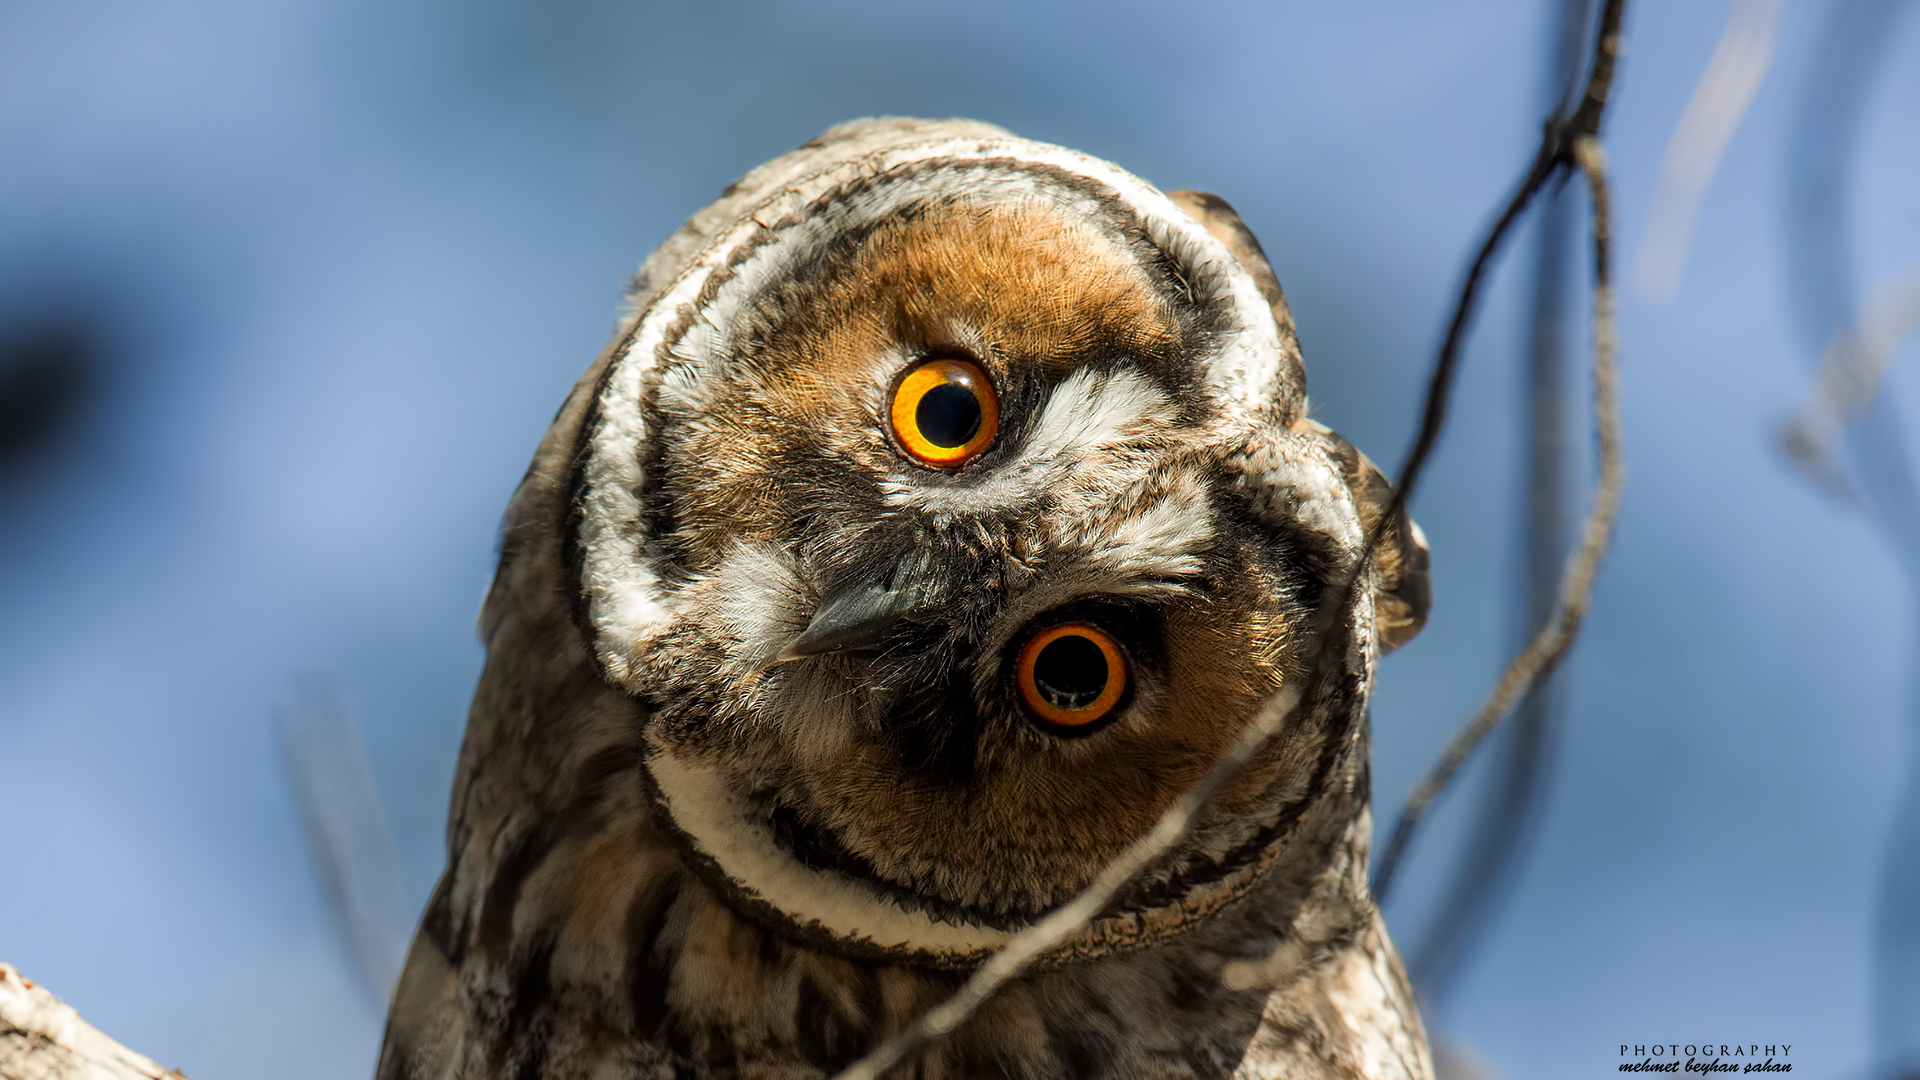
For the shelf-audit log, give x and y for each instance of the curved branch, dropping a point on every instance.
(1576, 591)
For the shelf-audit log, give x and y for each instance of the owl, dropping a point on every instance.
(942, 508)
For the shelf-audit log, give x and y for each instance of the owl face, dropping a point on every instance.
(950, 514)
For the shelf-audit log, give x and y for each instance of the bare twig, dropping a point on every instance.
(1502, 830)
(1555, 154)
(1019, 954)
(1560, 148)
(1576, 590)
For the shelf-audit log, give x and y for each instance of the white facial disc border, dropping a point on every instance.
(626, 602)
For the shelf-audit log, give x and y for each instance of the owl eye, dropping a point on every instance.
(1072, 676)
(945, 412)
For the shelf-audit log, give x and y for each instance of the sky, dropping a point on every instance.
(332, 264)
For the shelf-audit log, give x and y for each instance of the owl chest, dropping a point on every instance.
(698, 991)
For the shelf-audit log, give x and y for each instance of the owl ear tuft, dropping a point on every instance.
(1217, 216)
(1400, 561)
(1406, 590)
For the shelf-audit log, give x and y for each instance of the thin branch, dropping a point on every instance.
(1502, 831)
(1559, 149)
(1555, 154)
(1576, 591)
(1031, 944)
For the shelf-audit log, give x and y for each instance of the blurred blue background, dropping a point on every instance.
(319, 272)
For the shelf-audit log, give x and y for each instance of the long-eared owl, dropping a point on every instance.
(943, 507)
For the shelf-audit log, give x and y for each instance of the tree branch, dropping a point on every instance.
(1576, 589)
(42, 1038)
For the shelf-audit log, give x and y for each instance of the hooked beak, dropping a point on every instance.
(858, 618)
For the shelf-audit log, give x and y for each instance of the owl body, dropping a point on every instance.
(944, 508)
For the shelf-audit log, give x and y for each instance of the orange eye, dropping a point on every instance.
(1072, 675)
(945, 412)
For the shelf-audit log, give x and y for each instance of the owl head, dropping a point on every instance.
(945, 507)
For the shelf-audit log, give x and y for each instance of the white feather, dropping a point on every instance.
(1086, 421)
(725, 829)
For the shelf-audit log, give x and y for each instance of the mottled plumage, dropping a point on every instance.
(775, 740)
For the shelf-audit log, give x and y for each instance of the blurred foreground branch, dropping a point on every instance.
(353, 850)
(1719, 103)
(1851, 370)
(1859, 450)
(42, 1038)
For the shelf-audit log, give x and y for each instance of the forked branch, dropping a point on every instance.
(1576, 586)
(1569, 142)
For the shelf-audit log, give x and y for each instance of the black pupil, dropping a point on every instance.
(1070, 672)
(948, 415)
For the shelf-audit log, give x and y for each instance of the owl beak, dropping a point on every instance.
(854, 620)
